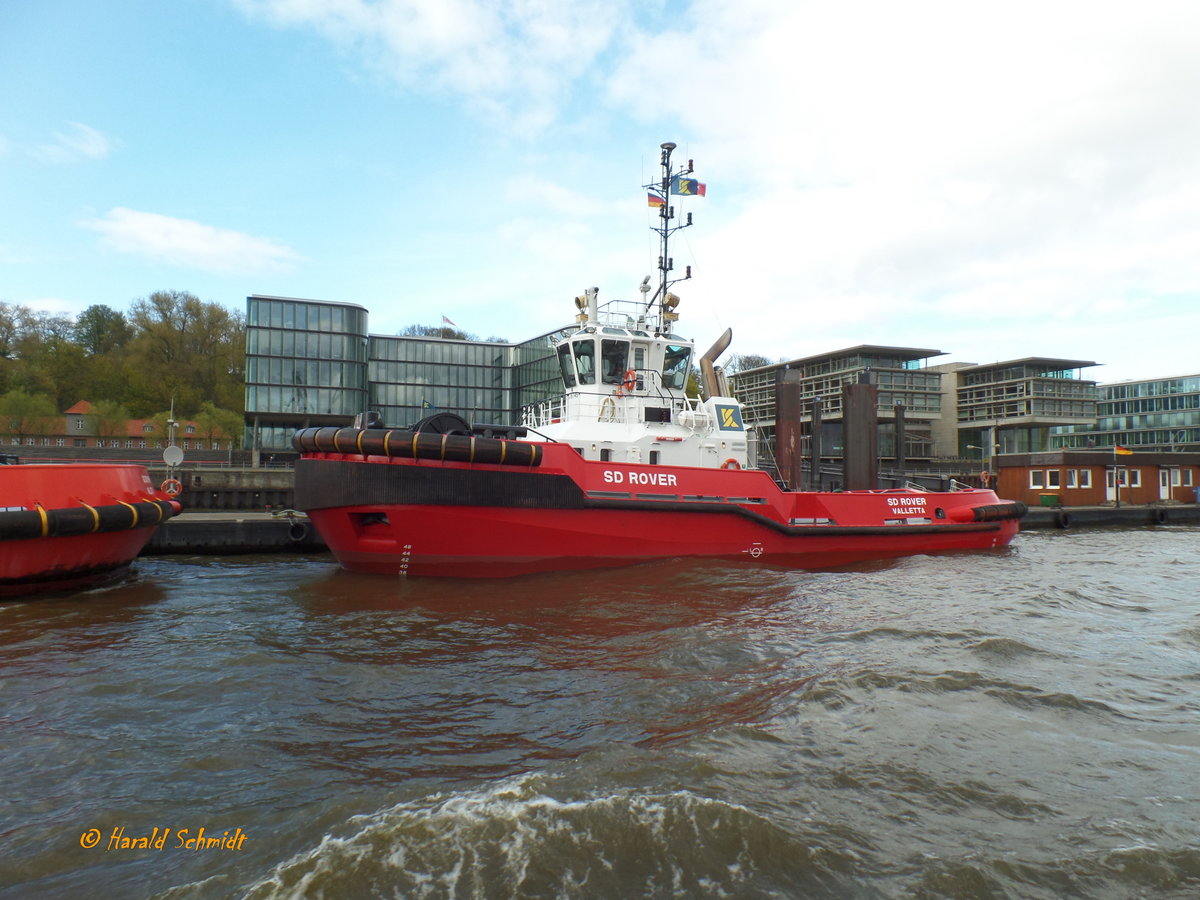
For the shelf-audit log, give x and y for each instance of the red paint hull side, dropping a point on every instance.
(58, 563)
(485, 542)
(624, 515)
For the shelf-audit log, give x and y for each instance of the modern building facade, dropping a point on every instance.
(312, 362)
(951, 411)
(1013, 407)
(1159, 414)
(306, 364)
(900, 374)
(485, 382)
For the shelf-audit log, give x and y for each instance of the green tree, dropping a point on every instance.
(110, 418)
(101, 330)
(440, 331)
(24, 414)
(219, 424)
(10, 329)
(186, 351)
(740, 362)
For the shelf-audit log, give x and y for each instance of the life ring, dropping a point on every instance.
(731, 463)
(629, 382)
(171, 487)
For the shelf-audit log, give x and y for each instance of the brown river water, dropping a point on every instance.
(1022, 723)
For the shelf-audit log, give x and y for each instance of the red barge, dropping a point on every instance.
(74, 525)
(623, 468)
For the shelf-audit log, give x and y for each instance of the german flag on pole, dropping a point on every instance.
(1118, 450)
(654, 200)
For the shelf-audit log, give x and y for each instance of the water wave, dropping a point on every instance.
(517, 840)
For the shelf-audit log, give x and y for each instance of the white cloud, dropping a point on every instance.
(514, 61)
(183, 242)
(76, 142)
(1004, 181)
(1000, 181)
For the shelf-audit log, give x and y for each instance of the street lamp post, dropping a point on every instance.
(983, 473)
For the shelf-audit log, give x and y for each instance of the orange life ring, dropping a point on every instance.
(629, 382)
(171, 487)
(731, 463)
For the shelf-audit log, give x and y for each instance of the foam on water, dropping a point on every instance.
(517, 840)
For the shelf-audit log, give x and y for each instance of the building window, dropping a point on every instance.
(61, 442)
(79, 424)
(80, 442)
(1037, 479)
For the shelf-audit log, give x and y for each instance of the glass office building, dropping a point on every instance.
(306, 364)
(1156, 414)
(484, 382)
(311, 363)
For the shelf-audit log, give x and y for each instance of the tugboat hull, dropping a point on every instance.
(447, 518)
(75, 525)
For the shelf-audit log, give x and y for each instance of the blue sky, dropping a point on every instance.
(996, 181)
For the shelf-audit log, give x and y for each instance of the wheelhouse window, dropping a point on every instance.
(585, 361)
(564, 363)
(1052, 479)
(1037, 479)
(675, 366)
(614, 360)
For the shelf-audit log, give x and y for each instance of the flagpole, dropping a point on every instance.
(1116, 476)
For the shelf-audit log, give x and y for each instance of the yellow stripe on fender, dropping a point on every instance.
(133, 510)
(156, 506)
(45, 520)
(95, 515)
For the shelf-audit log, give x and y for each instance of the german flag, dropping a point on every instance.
(1122, 451)
(655, 200)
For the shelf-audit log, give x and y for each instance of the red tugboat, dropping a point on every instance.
(623, 468)
(74, 525)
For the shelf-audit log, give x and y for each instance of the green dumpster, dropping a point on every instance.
(1049, 499)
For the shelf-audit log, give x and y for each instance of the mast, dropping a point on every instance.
(665, 228)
